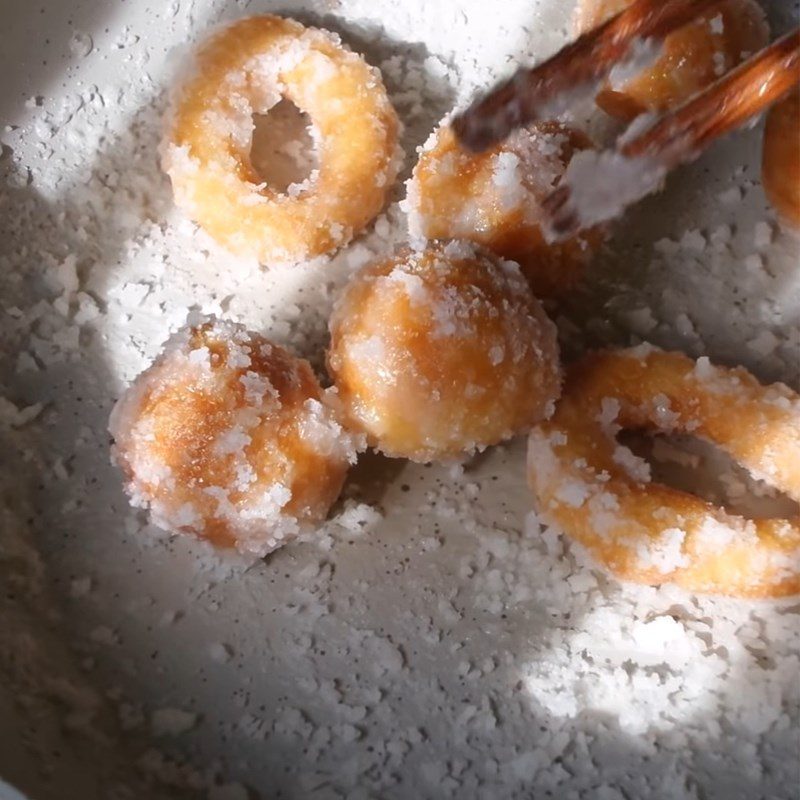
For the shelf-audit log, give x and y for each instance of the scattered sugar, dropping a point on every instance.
(228, 791)
(220, 652)
(566, 642)
(635, 466)
(762, 235)
(16, 417)
(664, 553)
(172, 721)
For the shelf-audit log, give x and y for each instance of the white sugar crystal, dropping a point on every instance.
(730, 196)
(663, 414)
(572, 493)
(200, 356)
(231, 441)
(764, 344)
(14, 417)
(102, 634)
(641, 320)
(131, 294)
(663, 553)
(359, 518)
(228, 791)
(642, 54)
(715, 536)
(172, 721)
(684, 326)
(26, 363)
(238, 357)
(635, 466)
(507, 181)
(80, 44)
(80, 587)
(186, 516)
(693, 241)
(762, 235)
(220, 652)
(754, 263)
(369, 351)
(609, 412)
(496, 355)
(704, 369)
(641, 352)
(413, 285)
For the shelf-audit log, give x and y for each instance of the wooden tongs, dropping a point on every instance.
(598, 186)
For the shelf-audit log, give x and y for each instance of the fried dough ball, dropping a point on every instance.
(493, 199)
(780, 166)
(230, 438)
(693, 57)
(246, 69)
(442, 352)
(602, 495)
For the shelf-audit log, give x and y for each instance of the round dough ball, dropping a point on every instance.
(442, 352)
(231, 438)
(494, 199)
(693, 57)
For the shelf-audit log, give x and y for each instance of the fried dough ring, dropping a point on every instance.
(245, 69)
(601, 495)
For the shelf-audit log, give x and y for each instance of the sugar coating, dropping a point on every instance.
(246, 69)
(494, 199)
(690, 59)
(442, 352)
(650, 533)
(231, 438)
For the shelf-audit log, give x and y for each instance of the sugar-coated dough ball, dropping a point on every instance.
(231, 438)
(692, 58)
(780, 165)
(441, 352)
(494, 199)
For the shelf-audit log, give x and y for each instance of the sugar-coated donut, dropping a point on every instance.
(493, 199)
(441, 352)
(246, 69)
(780, 165)
(230, 437)
(601, 494)
(692, 58)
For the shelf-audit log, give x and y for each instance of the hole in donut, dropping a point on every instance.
(283, 151)
(700, 468)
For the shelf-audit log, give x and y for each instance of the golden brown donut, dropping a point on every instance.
(601, 494)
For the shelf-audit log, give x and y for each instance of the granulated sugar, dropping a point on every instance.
(434, 639)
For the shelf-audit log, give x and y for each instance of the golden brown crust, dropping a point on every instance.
(650, 533)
